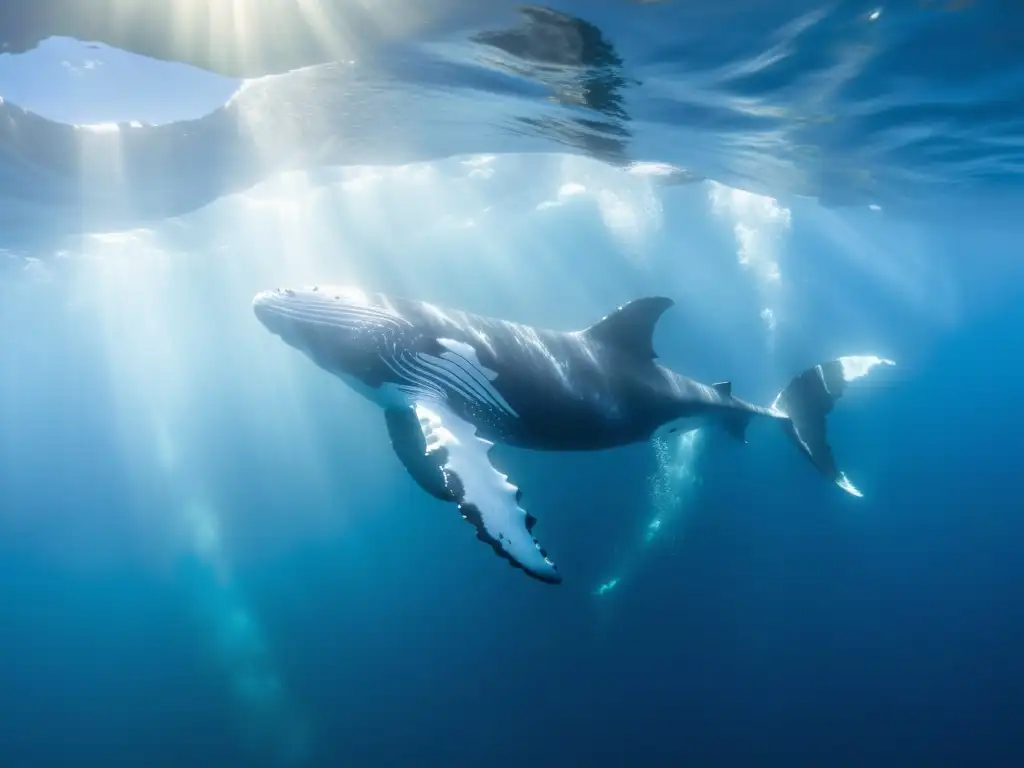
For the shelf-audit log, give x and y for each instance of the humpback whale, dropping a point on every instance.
(452, 384)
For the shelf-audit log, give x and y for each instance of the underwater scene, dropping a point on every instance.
(481, 383)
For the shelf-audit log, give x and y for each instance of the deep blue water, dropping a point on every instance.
(209, 555)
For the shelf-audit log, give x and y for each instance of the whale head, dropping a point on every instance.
(338, 328)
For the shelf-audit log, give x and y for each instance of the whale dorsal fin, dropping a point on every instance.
(630, 328)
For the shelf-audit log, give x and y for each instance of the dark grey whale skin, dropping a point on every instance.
(571, 391)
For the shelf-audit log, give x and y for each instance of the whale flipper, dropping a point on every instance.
(455, 466)
(410, 446)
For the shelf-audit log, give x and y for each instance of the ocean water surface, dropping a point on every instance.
(211, 556)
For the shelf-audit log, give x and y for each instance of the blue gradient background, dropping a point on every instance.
(210, 557)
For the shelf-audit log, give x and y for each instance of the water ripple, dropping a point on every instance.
(849, 102)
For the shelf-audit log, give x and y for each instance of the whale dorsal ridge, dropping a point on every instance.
(630, 328)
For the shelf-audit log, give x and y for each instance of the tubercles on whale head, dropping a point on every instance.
(335, 326)
(275, 310)
(283, 310)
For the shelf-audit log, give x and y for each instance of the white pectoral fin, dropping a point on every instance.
(485, 496)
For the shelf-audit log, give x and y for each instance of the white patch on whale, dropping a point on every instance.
(437, 377)
(483, 338)
(469, 353)
(457, 379)
(855, 366)
(488, 499)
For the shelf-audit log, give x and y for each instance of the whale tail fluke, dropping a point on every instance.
(809, 398)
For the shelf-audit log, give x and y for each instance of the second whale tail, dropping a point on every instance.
(809, 398)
